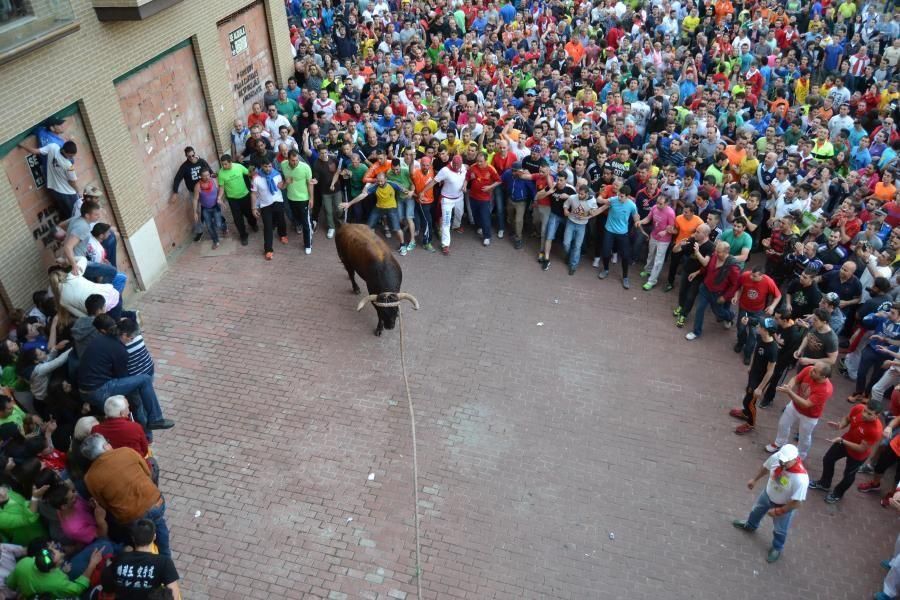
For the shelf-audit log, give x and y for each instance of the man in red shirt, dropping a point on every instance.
(809, 390)
(121, 432)
(863, 435)
(757, 297)
(483, 178)
(502, 160)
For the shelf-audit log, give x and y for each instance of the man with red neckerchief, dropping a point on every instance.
(786, 489)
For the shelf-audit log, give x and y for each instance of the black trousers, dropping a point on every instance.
(775, 381)
(835, 453)
(674, 263)
(240, 210)
(272, 216)
(300, 210)
(687, 292)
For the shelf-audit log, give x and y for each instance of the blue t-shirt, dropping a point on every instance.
(619, 214)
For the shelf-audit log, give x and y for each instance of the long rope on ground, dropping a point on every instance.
(415, 456)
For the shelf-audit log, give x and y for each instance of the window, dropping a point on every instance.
(29, 24)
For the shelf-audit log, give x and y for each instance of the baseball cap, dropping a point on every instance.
(516, 166)
(769, 324)
(832, 299)
(787, 453)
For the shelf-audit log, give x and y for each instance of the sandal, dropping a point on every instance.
(743, 429)
(855, 398)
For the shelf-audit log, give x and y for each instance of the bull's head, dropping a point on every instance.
(386, 304)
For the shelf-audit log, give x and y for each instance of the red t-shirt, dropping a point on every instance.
(502, 163)
(123, 433)
(755, 294)
(479, 177)
(540, 183)
(862, 431)
(817, 392)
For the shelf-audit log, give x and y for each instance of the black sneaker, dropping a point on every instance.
(161, 424)
(815, 485)
(520, 243)
(764, 405)
(571, 270)
(244, 241)
(746, 360)
(832, 499)
(738, 347)
(255, 228)
(545, 265)
(197, 236)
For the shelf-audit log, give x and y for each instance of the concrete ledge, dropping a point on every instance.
(39, 42)
(147, 255)
(130, 10)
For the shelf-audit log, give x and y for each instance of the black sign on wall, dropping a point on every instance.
(37, 170)
(238, 40)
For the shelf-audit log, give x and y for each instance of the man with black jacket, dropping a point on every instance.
(788, 336)
(189, 172)
(103, 372)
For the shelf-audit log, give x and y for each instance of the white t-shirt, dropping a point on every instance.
(60, 170)
(453, 182)
(788, 486)
(263, 196)
(578, 209)
(272, 126)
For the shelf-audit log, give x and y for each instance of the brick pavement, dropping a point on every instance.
(535, 442)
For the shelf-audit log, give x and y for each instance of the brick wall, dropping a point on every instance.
(88, 61)
(250, 68)
(35, 204)
(165, 111)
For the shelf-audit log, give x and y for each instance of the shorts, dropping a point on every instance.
(406, 207)
(390, 213)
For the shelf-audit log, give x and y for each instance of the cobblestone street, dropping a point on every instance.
(572, 449)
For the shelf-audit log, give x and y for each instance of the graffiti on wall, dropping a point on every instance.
(247, 84)
(45, 230)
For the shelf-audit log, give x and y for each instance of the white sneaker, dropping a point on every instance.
(615, 258)
(387, 233)
(691, 336)
(480, 232)
(596, 263)
(403, 250)
(487, 242)
(500, 234)
(772, 448)
(308, 250)
(330, 234)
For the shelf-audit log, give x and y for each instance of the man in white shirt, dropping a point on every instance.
(268, 202)
(61, 177)
(453, 177)
(786, 489)
(275, 122)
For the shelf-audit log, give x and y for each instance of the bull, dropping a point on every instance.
(365, 254)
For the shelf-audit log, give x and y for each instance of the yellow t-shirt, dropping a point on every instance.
(385, 197)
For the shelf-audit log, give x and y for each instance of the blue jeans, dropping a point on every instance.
(109, 244)
(157, 514)
(746, 334)
(500, 205)
(100, 273)
(572, 240)
(551, 226)
(781, 524)
(213, 220)
(707, 299)
(481, 211)
(148, 410)
(80, 560)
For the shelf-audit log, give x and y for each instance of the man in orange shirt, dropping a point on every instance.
(575, 50)
(685, 225)
(421, 177)
(381, 165)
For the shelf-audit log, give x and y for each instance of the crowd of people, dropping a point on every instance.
(741, 154)
(81, 513)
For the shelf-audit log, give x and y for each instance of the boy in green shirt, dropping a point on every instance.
(232, 179)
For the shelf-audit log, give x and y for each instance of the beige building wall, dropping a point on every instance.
(81, 68)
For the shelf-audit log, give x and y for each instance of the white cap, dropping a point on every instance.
(787, 453)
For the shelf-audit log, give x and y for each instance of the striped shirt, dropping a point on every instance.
(139, 360)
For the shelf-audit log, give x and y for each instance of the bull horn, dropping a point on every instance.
(369, 298)
(410, 297)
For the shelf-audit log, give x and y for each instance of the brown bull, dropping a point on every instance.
(365, 254)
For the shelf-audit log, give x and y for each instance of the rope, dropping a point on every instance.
(415, 457)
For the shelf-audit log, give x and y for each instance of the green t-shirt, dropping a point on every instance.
(28, 581)
(288, 108)
(232, 181)
(356, 179)
(402, 179)
(715, 172)
(737, 244)
(18, 524)
(299, 176)
(17, 417)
